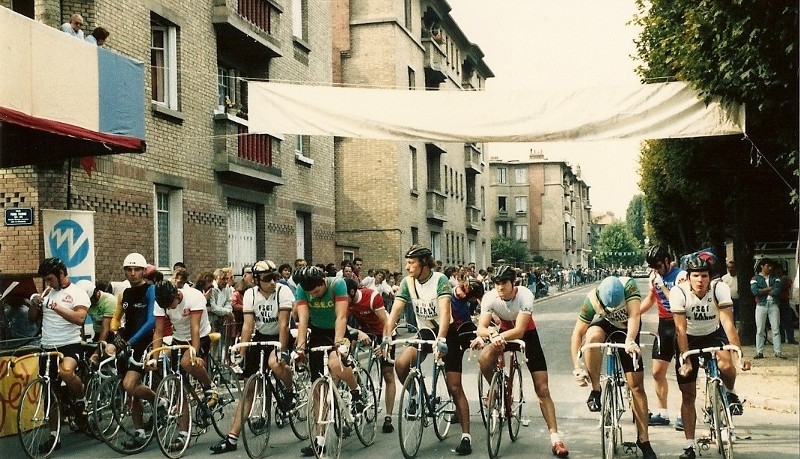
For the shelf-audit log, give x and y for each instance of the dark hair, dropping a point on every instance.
(104, 286)
(344, 263)
(352, 286)
(179, 264)
(100, 33)
(284, 266)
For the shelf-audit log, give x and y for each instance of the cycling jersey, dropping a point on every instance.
(193, 302)
(265, 310)
(364, 311)
(702, 314)
(56, 330)
(461, 310)
(617, 315)
(105, 307)
(661, 286)
(137, 305)
(322, 310)
(424, 297)
(508, 311)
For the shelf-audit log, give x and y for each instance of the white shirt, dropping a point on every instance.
(266, 309)
(508, 311)
(67, 28)
(733, 284)
(702, 314)
(56, 330)
(193, 302)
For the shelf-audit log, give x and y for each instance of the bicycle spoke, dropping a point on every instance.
(39, 413)
(298, 418)
(515, 400)
(411, 415)
(256, 411)
(367, 420)
(495, 415)
(444, 408)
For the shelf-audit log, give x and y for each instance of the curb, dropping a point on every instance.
(773, 404)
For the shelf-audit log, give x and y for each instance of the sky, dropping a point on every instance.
(568, 43)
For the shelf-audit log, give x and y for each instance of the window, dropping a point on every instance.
(230, 88)
(414, 235)
(521, 232)
(164, 62)
(436, 245)
(299, 18)
(407, 8)
(520, 175)
(502, 230)
(241, 235)
(501, 204)
(168, 226)
(521, 204)
(501, 175)
(413, 169)
(472, 251)
(303, 232)
(412, 78)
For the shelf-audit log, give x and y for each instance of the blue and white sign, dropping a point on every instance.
(69, 235)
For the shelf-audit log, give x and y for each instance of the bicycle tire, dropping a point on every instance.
(37, 405)
(444, 409)
(298, 417)
(122, 436)
(494, 414)
(256, 416)
(367, 421)
(101, 419)
(411, 415)
(375, 371)
(608, 420)
(516, 400)
(324, 419)
(174, 393)
(223, 413)
(721, 423)
(482, 398)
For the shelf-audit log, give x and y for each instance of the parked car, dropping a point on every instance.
(640, 273)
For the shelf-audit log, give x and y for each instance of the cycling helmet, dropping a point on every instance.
(308, 277)
(166, 292)
(702, 260)
(352, 286)
(418, 251)
(656, 254)
(51, 266)
(610, 292)
(135, 259)
(264, 267)
(87, 286)
(505, 273)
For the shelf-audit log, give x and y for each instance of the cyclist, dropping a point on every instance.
(186, 310)
(663, 277)
(703, 312)
(266, 308)
(366, 305)
(101, 310)
(322, 303)
(514, 307)
(428, 292)
(136, 305)
(62, 309)
(614, 306)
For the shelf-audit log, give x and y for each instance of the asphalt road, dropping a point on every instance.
(762, 434)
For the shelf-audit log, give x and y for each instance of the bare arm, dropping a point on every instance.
(575, 342)
(444, 316)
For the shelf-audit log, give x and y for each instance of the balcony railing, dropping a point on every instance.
(258, 12)
(255, 147)
(248, 28)
(435, 205)
(244, 157)
(435, 63)
(472, 159)
(474, 219)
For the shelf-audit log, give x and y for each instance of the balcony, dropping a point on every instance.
(248, 28)
(434, 206)
(435, 63)
(474, 219)
(243, 158)
(472, 159)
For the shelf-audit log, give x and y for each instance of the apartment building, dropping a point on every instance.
(391, 194)
(543, 203)
(205, 192)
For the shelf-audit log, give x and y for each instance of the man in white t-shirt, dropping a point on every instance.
(703, 314)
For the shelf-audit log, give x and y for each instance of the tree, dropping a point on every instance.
(510, 250)
(618, 247)
(634, 217)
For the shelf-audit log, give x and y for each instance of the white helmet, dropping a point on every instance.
(87, 286)
(135, 259)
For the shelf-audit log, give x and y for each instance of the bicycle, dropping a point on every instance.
(228, 386)
(716, 411)
(327, 419)
(505, 399)
(616, 397)
(438, 405)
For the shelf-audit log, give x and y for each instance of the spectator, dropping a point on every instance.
(732, 280)
(787, 324)
(73, 27)
(766, 288)
(98, 36)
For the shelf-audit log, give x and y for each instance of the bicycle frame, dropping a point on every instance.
(500, 408)
(416, 372)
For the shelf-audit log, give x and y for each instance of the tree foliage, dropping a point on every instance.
(634, 217)
(618, 247)
(510, 250)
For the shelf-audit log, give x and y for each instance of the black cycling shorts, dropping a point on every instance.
(718, 338)
(618, 335)
(665, 350)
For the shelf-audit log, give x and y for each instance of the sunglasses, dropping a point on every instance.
(268, 277)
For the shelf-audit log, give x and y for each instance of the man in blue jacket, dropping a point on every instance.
(766, 288)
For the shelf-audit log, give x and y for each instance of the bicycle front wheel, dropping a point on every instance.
(121, 435)
(375, 372)
(298, 417)
(608, 421)
(444, 409)
(514, 400)
(411, 415)
(367, 420)
(101, 416)
(495, 415)
(223, 412)
(721, 421)
(39, 413)
(482, 398)
(325, 427)
(174, 411)
(256, 415)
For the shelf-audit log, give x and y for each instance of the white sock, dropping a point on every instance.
(140, 432)
(54, 433)
(321, 440)
(554, 438)
(467, 436)
(689, 443)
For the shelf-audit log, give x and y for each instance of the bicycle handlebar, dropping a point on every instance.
(606, 344)
(238, 346)
(13, 361)
(709, 350)
(149, 355)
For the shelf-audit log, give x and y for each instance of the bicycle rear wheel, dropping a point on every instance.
(608, 424)
(375, 372)
(222, 414)
(325, 420)
(721, 422)
(514, 400)
(38, 408)
(101, 418)
(175, 402)
(367, 421)
(411, 415)
(482, 398)
(298, 417)
(256, 416)
(444, 409)
(122, 437)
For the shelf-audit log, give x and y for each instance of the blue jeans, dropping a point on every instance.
(771, 311)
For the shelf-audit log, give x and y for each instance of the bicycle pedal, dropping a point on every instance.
(629, 447)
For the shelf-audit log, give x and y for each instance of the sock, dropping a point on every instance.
(320, 440)
(663, 412)
(387, 419)
(54, 433)
(467, 436)
(554, 438)
(689, 443)
(140, 432)
(233, 439)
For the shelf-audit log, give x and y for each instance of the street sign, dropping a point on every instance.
(19, 216)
